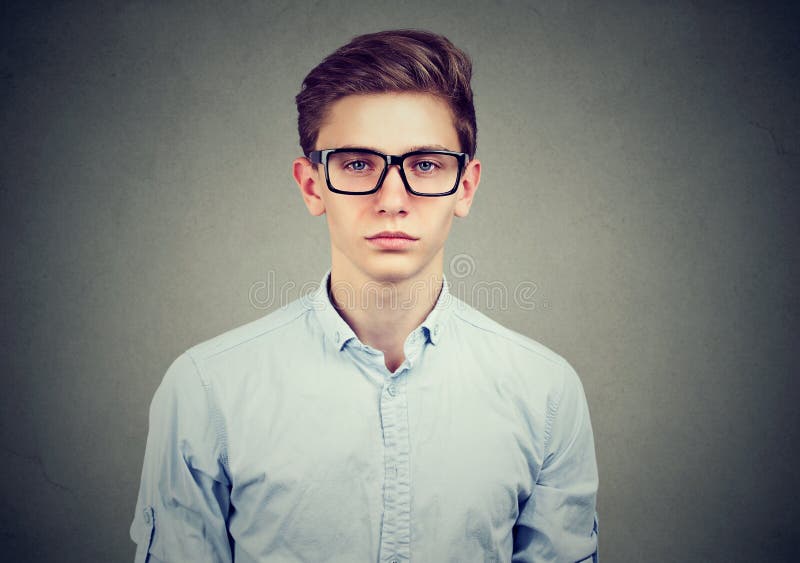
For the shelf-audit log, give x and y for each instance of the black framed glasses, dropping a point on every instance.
(430, 173)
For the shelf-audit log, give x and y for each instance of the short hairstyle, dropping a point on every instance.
(405, 60)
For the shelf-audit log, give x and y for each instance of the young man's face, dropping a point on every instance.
(393, 123)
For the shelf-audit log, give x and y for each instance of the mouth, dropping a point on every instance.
(392, 240)
(391, 234)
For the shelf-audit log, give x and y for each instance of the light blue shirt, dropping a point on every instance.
(287, 439)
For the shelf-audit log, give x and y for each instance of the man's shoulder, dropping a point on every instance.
(509, 352)
(272, 326)
(501, 338)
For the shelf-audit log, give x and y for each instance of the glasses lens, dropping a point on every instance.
(431, 173)
(354, 171)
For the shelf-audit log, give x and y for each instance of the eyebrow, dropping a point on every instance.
(429, 148)
(411, 149)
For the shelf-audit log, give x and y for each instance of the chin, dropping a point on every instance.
(393, 271)
(395, 275)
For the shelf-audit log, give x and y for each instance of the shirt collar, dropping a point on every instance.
(337, 332)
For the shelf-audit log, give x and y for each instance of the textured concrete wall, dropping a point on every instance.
(641, 166)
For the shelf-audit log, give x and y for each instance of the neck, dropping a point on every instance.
(383, 312)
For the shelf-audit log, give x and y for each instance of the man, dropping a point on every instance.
(379, 418)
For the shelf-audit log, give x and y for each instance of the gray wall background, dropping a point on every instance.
(641, 166)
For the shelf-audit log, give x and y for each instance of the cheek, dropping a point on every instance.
(343, 220)
(441, 222)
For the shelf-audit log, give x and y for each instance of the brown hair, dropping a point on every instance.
(390, 61)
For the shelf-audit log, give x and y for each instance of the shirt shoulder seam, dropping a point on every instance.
(551, 356)
(200, 354)
(215, 414)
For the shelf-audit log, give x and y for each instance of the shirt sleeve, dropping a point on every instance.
(184, 495)
(558, 521)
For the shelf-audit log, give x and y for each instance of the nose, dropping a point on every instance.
(392, 196)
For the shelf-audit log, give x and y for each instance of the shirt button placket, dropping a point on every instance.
(396, 527)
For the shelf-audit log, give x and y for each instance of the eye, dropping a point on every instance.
(357, 165)
(425, 166)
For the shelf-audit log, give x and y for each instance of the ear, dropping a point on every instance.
(308, 180)
(470, 179)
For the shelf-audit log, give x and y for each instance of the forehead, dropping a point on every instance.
(390, 122)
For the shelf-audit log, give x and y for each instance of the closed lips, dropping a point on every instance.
(392, 234)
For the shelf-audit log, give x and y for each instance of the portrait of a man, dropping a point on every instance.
(381, 418)
(300, 281)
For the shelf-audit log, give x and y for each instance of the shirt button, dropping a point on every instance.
(392, 389)
(338, 338)
(146, 516)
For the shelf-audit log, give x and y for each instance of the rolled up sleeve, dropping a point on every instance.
(184, 494)
(558, 521)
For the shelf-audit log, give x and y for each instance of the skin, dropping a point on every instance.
(401, 285)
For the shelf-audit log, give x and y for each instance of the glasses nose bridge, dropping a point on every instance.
(394, 160)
